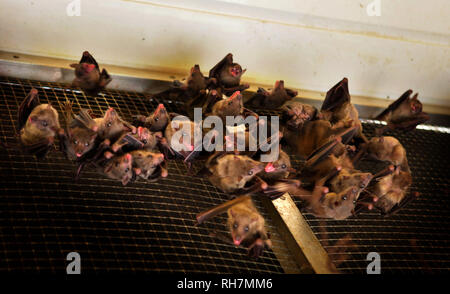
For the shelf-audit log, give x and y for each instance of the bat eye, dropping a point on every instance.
(354, 201)
(117, 164)
(246, 229)
(75, 142)
(144, 141)
(156, 118)
(250, 172)
(235, 226)
(109, 124)
(283, 166)
(44, 123)
(344, 198)
(127, 170)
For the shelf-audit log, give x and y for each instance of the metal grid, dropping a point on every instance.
(415, 239)
(141, 227)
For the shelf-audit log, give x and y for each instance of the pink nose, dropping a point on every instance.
(237, 242)
(79, 154)
(269, 168)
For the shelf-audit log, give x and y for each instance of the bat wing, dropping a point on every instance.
(336, 96)
(83, 119)
(394, 105)
(132, 142)
(400, 205)
(40, 148)
(27, 106)
(88, 58)
(215, 71)
(216, 210)
(411, 123)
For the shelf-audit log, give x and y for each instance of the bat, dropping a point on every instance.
(80, 134)
(111, 126)
(155, 122)
(231, 106)
(228, 75)
(88, 76)
(143, 139)
(391, 191)
(119, 167)
(245, 224)
(403, 114)
(274, 99)
(148, 164)
(231, 173)
(338, 109)
(38, 124)
(295, 114)
(388, 149)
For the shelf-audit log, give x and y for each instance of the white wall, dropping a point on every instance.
(310, 44)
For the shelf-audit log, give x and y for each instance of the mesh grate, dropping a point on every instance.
(415, 239)
(140, 227)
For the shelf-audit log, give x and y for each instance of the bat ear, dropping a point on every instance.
(232, 212)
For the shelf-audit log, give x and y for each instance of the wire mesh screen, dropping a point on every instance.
(416, 238)
(144, 226)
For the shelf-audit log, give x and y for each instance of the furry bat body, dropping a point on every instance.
(295, 114)
(88, 76)
(245, 224)
(119, 168)
(38, 124)
(388, 149)
(111, 126)
(228, 75)
(231, 173)
(271, 100)
(338, 109)
(155, 122)
(143, 139)
(403, 114)
(148, 164)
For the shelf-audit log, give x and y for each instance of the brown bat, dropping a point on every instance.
(184, 148)
(80, 134)
(391, 191)
(231, 106)
(88, 76)
(148, 164)
(111, 126)
(271, 100)
(388, 149)
(245, 224)
(119, 167)
(279, 169)
(314, 134)
(295, 114)
(155, 122)
(403, 114)
(38, 124)
(338, 109)
(228, 75)
(143, 139)
(231, 173)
